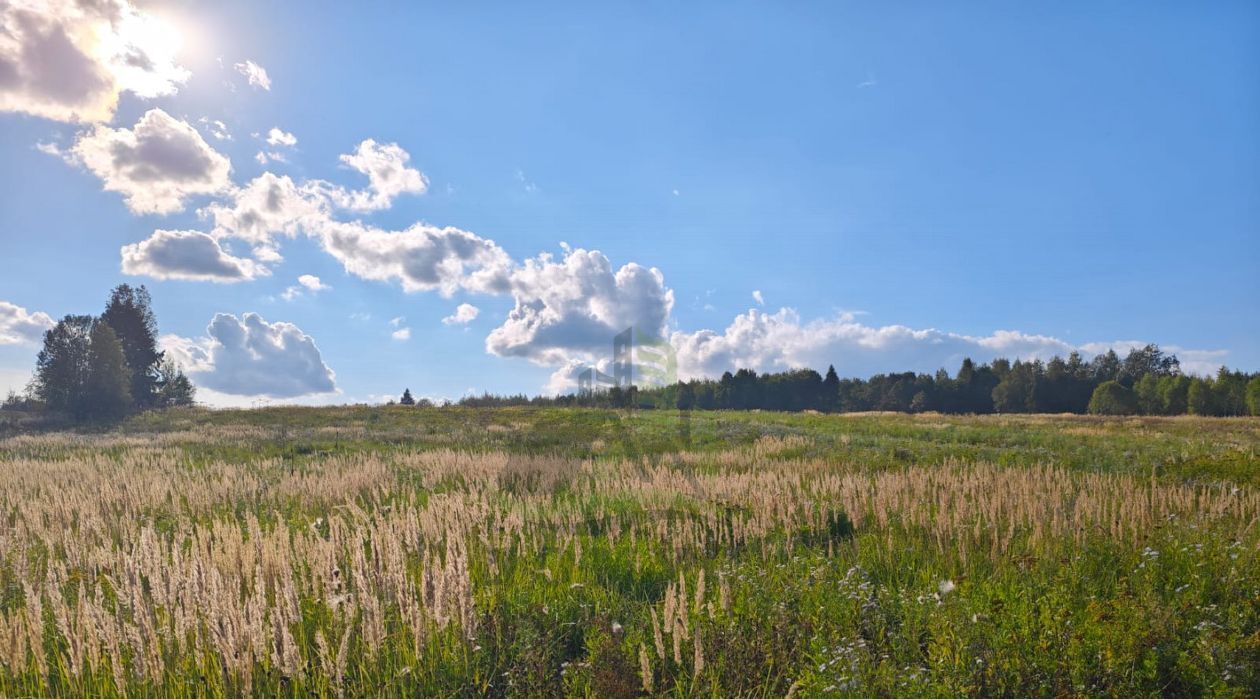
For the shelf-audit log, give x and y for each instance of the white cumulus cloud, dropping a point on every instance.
(189, 255)
(572, 308)
(422, 257)
(312, 282)
(248, 356)
(276, 137)
(268, 206)
(155, 165)
(69, 61)
(388, 173)
(21, 327)
(464, 314)
(306, 282)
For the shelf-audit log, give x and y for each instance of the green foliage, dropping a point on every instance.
(174, 388)
(61, 369)
(107, 389)
(1174, 393)
(1253, 396)
(1199, 398)
(1015, 392)
(1149, 399)
(1113, 398)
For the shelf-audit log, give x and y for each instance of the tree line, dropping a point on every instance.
(102, 368)
(1145, 382)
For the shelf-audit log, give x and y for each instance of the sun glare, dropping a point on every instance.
(143, 49)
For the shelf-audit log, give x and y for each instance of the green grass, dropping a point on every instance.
(821, 601)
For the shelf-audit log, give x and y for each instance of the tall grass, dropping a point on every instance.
(242, 555)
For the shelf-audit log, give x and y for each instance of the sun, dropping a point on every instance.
(143, 49)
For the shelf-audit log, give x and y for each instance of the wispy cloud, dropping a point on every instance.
(255, 74)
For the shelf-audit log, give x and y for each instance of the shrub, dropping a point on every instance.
(1112, 398)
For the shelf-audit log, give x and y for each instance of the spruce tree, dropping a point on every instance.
(831, 390)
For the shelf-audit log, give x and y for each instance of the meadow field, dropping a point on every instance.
(389, 551)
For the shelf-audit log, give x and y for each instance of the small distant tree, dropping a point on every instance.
(830, 399)
(406, 398)
(174, 388)
(1112, 398)
(107, 388)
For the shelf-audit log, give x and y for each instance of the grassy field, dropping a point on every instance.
(525, 552)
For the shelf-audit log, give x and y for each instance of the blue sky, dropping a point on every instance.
(902, 186)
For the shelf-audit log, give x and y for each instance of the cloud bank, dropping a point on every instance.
(566, 309)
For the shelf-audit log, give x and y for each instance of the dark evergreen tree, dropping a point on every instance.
(724, 394)
(830, 398)
(130, 314)
(406, 398)
(686, 399)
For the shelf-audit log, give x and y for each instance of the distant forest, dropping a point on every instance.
(1145, 382)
